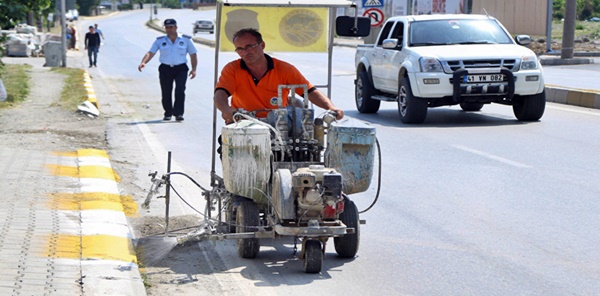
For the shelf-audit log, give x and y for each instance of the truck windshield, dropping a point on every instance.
(450, 31)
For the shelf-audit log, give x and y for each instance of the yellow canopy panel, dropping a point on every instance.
(309, 3)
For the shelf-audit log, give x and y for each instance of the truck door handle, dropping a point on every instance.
(385, 54)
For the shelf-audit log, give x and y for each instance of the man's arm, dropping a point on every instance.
(194, 59)
(221, 100)
(319, 99)
(85, 40)
(147, 57)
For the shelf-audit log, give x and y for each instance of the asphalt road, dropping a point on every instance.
(471, 203)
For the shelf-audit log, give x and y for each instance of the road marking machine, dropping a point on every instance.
(289, 174)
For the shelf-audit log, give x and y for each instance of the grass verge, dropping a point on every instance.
(74, 92)
(16, 81)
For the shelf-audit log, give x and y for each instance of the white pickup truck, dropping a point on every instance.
(435, 60)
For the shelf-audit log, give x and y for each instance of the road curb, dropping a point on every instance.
(571, 96)
(103, 243)
(89, 106)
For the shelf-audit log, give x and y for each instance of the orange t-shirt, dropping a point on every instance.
(250, 94)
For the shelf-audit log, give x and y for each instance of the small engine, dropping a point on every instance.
(318, 193)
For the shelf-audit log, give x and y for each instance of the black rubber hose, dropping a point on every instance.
(378, 178)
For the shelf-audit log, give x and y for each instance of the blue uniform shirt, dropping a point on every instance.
(173, 53)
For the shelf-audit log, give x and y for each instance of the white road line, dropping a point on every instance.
(491, 156)
(575, 110)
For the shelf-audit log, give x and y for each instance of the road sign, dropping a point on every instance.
(372, 3)
(376, 16)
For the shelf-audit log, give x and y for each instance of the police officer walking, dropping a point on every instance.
(173, 67)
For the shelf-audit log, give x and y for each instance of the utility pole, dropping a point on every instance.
(63, 22)
(549, 26)
(568, 39)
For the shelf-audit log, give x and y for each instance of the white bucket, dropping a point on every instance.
(351, 151)
(246, 150)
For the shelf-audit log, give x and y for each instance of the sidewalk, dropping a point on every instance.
(64, 227)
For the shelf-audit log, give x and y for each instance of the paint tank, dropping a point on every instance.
(351, 150)
(246, 149)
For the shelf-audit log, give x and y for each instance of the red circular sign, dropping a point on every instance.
(375, 15)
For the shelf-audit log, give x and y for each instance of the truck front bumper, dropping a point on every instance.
(453, 87)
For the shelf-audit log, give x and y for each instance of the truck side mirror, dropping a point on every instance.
(391, 43)
(523, 39)
(350, 26)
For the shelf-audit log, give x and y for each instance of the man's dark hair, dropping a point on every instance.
(250, 31)
(90, 27)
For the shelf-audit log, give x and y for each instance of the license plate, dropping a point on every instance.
(483, 78)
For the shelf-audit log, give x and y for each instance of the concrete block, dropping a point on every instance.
(560, 95)
(587, 99)
(550, 94)
(573, 97)
(53, 54)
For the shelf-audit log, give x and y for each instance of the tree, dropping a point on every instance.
(558, 9)
(11, 12)
(86, 6)
(14, 11)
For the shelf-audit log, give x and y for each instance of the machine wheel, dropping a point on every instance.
(313, 256)
(362, 94)
(529, 108)
(411, 108)
(230, 216)
(471, 106)
(347, 246)
(247, 215)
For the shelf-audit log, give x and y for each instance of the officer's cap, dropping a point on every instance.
(170, 22)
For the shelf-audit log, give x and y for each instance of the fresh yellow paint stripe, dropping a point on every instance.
(105, 247)
(101, 172)
(88, 171)
(65, 154)
(63, 170)
(92, 152)
(82, 152)
(93, 201)
(108, 247)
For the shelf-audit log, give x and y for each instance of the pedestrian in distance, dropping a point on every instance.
(173, 67)
(92, 44)
(68, 33)
(73, 39)
(98, 31)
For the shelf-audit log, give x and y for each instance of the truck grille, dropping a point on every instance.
(452, 66)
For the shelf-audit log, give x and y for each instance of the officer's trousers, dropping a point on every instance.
(167, 75)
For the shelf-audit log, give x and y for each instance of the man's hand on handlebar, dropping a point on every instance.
(228, 115)
(339, 113)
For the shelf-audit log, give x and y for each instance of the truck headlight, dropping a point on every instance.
(529, 62)
(430, 65)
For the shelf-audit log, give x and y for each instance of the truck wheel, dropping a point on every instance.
(313, 256)
(411, 108)
(471, 106)
(363, 92)
(347, 246)
(529, 108)
(247, 215)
